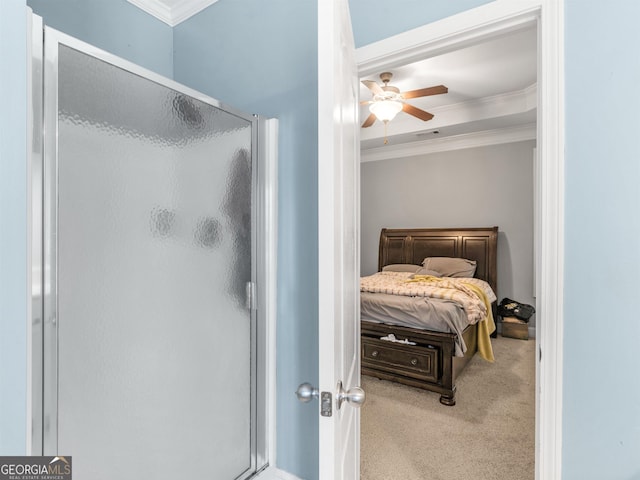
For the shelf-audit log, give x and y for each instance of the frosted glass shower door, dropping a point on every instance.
(150, 336)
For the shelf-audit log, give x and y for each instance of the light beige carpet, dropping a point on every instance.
(488, 435)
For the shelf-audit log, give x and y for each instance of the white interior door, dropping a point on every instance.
(339, 242)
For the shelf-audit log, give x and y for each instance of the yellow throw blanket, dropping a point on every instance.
(486, 326)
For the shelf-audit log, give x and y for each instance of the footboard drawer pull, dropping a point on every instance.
(374, 353)
(414, 361)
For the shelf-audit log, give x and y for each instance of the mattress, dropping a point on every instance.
(416, 312)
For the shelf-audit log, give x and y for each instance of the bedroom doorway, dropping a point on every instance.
(499, 18)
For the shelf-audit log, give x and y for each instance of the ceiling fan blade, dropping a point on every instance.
(366, 102)
(425, 92)
(416, 112)
(373, 86)
(369, 121)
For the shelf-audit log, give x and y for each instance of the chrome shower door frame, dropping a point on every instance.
(44, 258)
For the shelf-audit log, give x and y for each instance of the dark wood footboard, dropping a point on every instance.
(429, 364)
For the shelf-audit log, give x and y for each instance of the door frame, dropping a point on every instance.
(464, 29)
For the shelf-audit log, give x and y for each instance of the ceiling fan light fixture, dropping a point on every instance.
(385, 110)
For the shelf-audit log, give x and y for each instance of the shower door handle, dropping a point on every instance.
(250, 302)
(306, 392)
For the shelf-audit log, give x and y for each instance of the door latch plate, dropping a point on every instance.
(326, 402)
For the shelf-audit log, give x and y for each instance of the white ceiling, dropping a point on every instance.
(492, 89)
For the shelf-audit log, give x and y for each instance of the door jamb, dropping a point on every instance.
(35, 60)
(466, 28)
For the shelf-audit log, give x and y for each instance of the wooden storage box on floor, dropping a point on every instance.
(515, 328)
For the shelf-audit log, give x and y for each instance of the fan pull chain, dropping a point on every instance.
(386, 140)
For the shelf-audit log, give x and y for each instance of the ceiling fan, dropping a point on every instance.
(388, 100)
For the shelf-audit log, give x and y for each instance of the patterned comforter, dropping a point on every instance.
(463, 291)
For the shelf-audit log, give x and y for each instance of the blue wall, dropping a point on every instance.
(261, 57)
(374, 20)
(13, 227)
(601, 420)
(116, 26)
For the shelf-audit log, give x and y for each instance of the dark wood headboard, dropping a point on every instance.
(412, 245)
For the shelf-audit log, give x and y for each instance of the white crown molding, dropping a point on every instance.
(173, 13)
(455, 142)
(506, 103)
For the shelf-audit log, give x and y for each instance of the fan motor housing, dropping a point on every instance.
(386, 77)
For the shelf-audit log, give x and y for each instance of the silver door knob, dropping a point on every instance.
(355, 396)
(306, 392)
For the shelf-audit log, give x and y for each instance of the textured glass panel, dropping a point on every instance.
(154, 252)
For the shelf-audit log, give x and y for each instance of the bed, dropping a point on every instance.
(421, 357)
